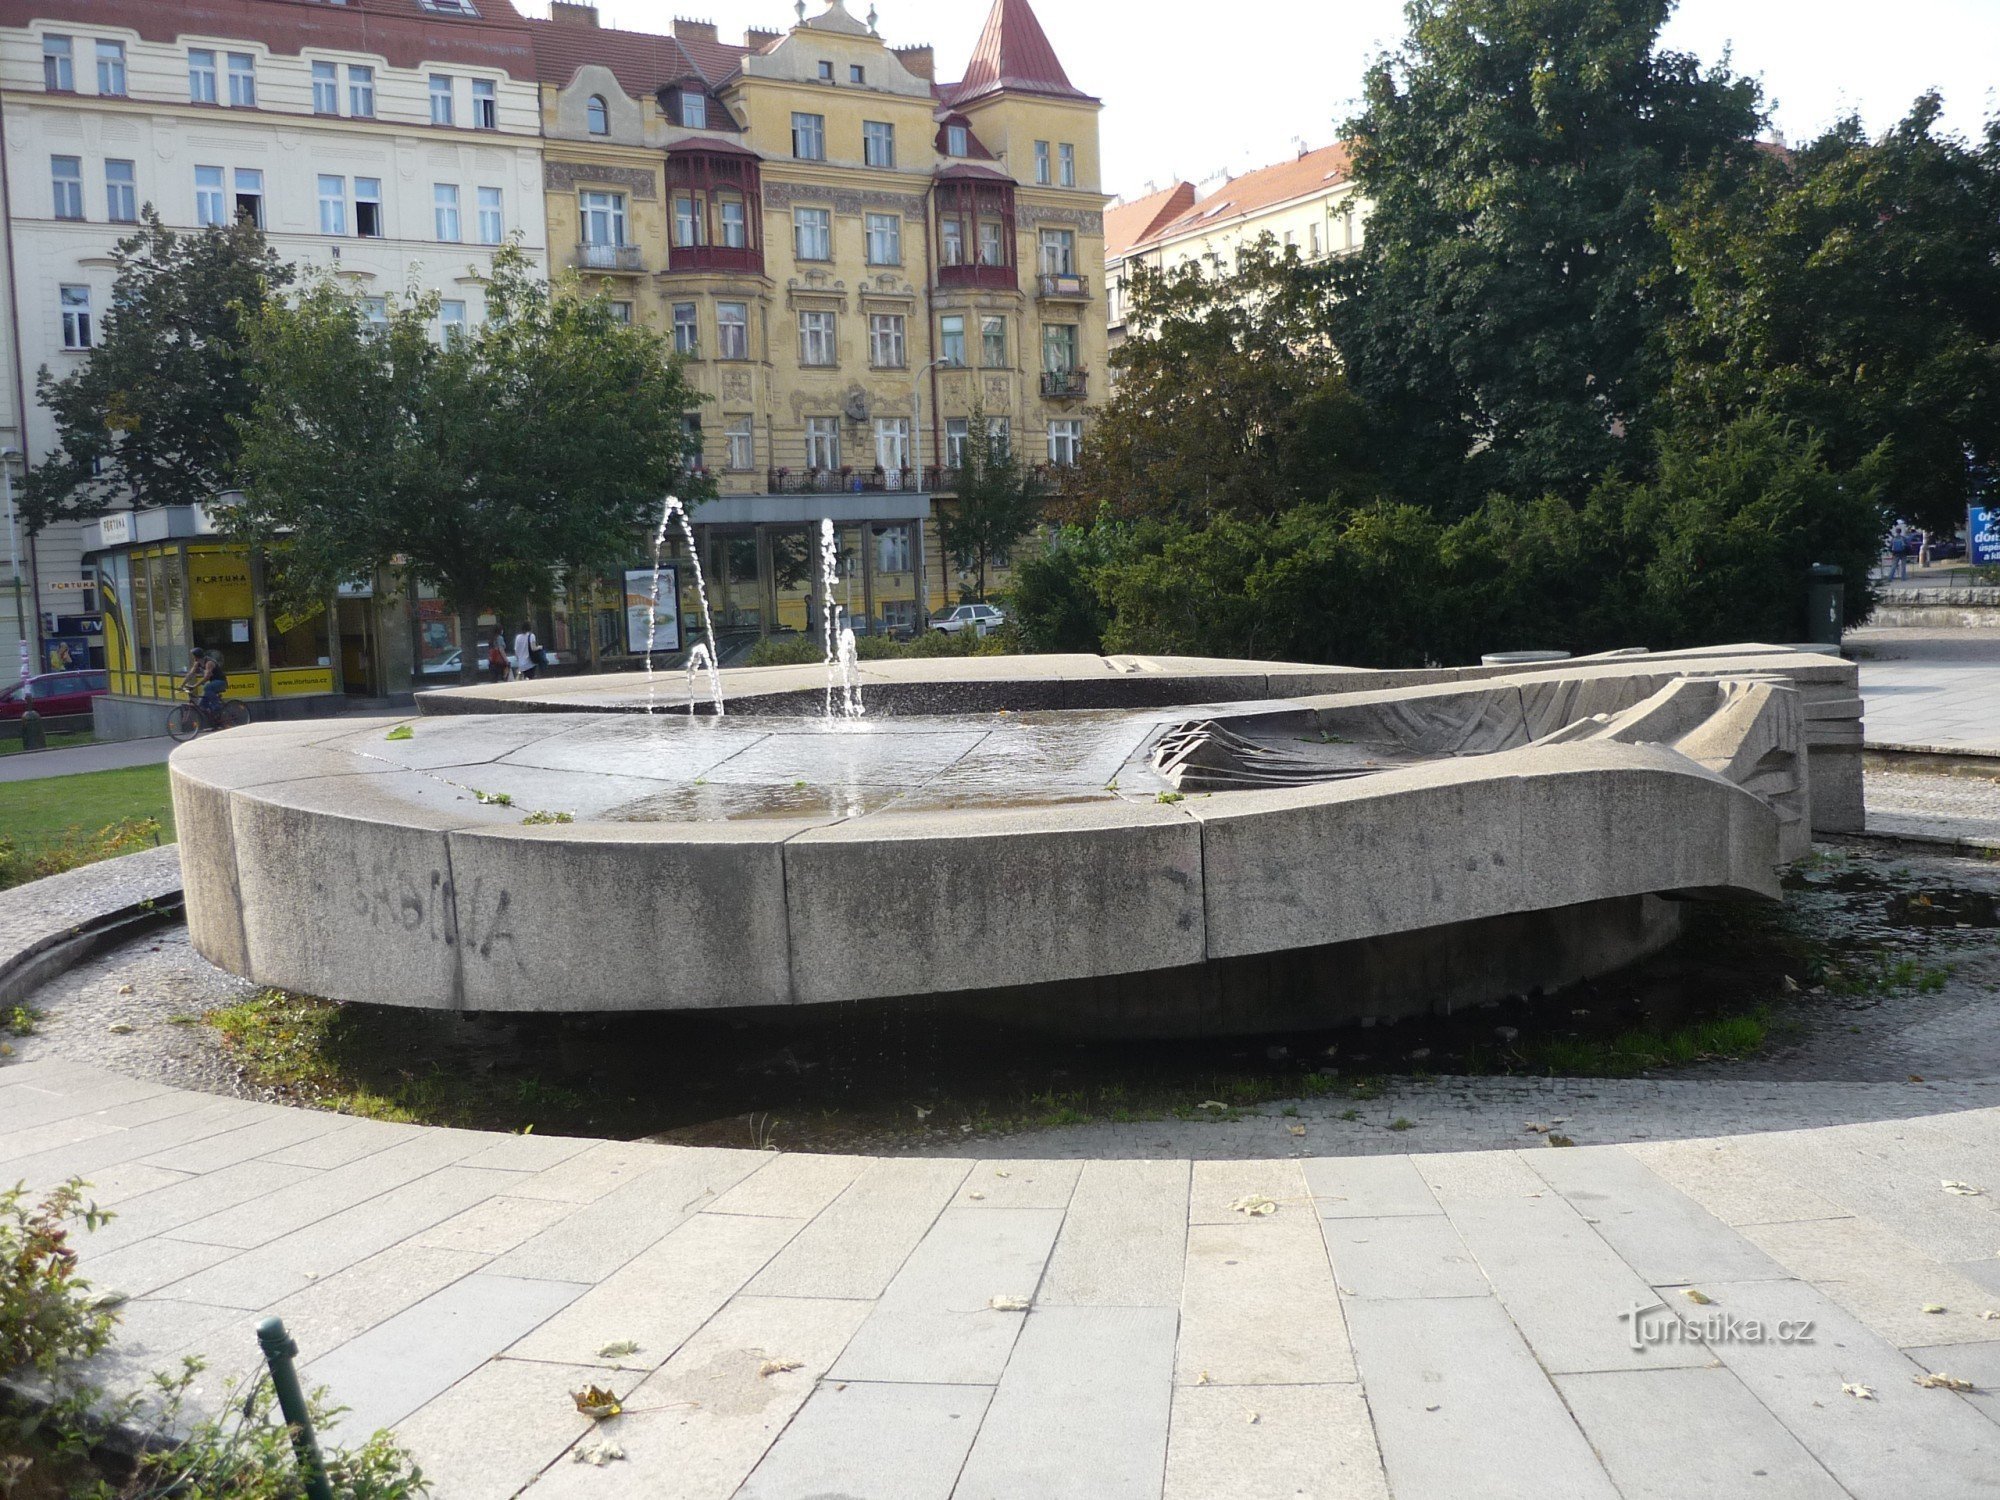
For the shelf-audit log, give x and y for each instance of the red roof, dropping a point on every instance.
(641, 61)
(1314, 172)
(1127, 224)
(1014, 55)
(964, 169)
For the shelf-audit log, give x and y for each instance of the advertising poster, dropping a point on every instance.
(1982, 534)
(639, 599)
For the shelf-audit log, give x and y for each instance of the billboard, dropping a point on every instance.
(1982, 534)
(639, 600)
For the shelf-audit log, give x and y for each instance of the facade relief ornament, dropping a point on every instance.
(567, 176)
(1084, 221)
(848, 201)
(996, 390)
(736, 385)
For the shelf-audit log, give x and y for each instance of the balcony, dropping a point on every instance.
(1065, 385)
(1061, 286)
(682, 259)
(989, 278)
(617, 260)
(848, 481)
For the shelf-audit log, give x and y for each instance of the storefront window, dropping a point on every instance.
(223, 611)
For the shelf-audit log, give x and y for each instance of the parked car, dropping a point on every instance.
(53, 693)
(980, 619)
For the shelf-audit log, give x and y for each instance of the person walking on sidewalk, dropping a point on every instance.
(1899, 551)
(527, 652)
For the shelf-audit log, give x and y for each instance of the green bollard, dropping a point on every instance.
(31, 731)
(279, 1349)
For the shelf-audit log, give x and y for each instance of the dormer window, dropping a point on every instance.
(598, 115)
(826, 72)
(857, 74)
(957, 140)
(694, 109)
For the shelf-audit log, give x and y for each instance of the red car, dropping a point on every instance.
(52, 693)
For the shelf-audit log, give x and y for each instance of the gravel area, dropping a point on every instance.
(1964, 807)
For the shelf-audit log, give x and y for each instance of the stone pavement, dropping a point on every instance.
(1448, 1325)
(75, 759)
(1930, 688)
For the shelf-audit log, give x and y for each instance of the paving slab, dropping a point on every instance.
(194, 1199)
(1461, 1407)
(694, 1429)
(1258, 1305)
(857, 1244)
(1082, 1412)
(467, 1455)
(659, 1298)
(1218, 1186)
(935, 1322)
(147, 1265)
(133, 1143)
(1124, 1239)
(353, 1140)
(1020, 1183)
(1273, 1442)
(1978, 1363)
(1882, 1279)
(596, 1170)
(1368, 1187)
(1736, 1185)
(111, 1186)
(269, 1131)
(854, 1438)
(1663, 1234)
(1670, 1434)
(1409, 1256)
(494, 1226)
(29, 1142)
(1875, 1448)
(405, 1362)
(791, 1186)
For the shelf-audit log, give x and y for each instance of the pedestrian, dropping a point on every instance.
(497, 660)
(527, 652)
(1899, 550)
(1924, 548)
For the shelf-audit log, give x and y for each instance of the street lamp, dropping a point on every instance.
(923, 600)
(8, 458)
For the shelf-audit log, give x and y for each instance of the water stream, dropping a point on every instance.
(707, 654)
(842, 658)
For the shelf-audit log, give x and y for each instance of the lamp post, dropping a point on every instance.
(923, 600)
(7, 459)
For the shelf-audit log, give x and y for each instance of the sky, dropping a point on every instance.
(1194, 87)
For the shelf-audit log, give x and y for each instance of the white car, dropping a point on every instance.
(980, 619)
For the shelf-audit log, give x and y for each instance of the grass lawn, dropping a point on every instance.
(10, 739)
(58, 822)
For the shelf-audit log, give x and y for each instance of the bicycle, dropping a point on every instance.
(187, 720)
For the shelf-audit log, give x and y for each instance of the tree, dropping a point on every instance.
(1500, 317)
(491, 465)
(1230, 397)
(998, 501)
(1854, 289)
(148, 418)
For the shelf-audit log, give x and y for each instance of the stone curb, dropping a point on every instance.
(27, 966)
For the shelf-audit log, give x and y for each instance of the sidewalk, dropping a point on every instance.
(33, 765)
(1930, 688)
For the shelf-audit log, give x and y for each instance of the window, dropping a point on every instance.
(111, 68)
(687, 331)
(892, 443)
(812, 228)
(732, 330)
(993, 343)
(687, 219)
(957, 141)
(442, 91)
(1068, 161)
(856, 73)
(823, 442)
(691, 438)
(444, 203)
(367, 208)
(201, 76)
(492, 220)
(603, 218)
(885, 341)
(76, 317)
(951, 241)
(956, 431)
(809, 137)
(451, 322)
(326, 89)
(735, 222)
(209, 208)
(1042, 163)
(242, 81)
(446, 7)
(951, 340)
(58, 64)
(485, 105)
(694, 109)
(742, 444)
(332, 205)
(375, 314)
(360, 91)
(250, 196)
(992, 243)
(1312, 240)
(1059, 346)
(878, 143)
(816, 339)
(597, 115)
(121, 193)
(885, 239)
(892, 555)
(621, 312)
(999, 438)
(1065, 443)
(66, 175)
(1058, 252)
(825, 72)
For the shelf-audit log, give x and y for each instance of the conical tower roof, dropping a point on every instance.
(1014, 55)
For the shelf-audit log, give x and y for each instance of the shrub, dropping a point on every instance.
(74, 849)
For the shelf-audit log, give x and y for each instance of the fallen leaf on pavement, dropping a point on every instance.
(1256, 1205)
(119, 1028)
(1963, 1189)
(618, 1350)
(1008, 1304)
(1863, 1392)
(597, 1403)
(1296, 1129)
(975, 1193)
(772, 1367)
(1932, 1307)
(1557, 1140)
(1211, 1104)
(597, 1455)
(1702, 1298)
(1940, 1381)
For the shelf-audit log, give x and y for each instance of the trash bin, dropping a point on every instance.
(1826, 605)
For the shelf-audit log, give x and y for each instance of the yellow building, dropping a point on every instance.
(857, 261)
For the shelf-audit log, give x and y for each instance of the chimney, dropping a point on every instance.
(694, 31)
(573, 13)
(922, 61)
(757, 39)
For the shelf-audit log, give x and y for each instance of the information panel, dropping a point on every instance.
(666, 620)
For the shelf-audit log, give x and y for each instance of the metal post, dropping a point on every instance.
(14, 555)
(279, 1350)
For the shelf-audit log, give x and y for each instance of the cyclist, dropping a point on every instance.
(205, 684)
